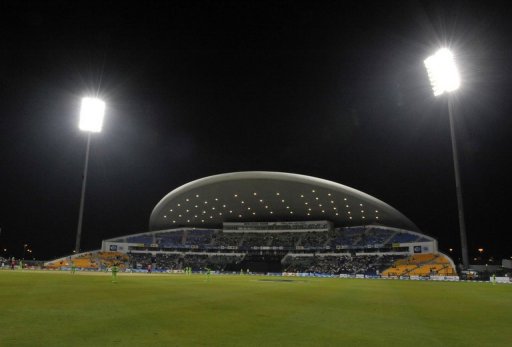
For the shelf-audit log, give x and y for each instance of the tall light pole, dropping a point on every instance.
(444, 78)
(91, 121)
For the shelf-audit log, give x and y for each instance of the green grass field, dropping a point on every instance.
(60, 309)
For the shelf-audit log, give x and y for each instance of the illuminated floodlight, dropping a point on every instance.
(91, 115)
(442, 72)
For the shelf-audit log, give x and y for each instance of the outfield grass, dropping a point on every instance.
(60, 309)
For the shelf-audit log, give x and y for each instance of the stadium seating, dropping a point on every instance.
(144, 239)
(169, 239)
(404, 238)
(109, 259)
(421, 265)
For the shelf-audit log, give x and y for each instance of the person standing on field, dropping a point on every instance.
(115, 270)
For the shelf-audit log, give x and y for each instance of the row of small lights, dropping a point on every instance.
(266, 207)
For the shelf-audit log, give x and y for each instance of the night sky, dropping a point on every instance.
(331, 89)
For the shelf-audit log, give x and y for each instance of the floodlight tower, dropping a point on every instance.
(91, 121)
(444, 78)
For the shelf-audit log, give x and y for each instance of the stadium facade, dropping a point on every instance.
(275, 222)
(272, 222)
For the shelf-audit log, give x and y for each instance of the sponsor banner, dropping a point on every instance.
(344, 276)
(405, 277)
(372, 276)
(415, 278)
(289, 274)
(359, 276)
(503, 279)
(444, 278)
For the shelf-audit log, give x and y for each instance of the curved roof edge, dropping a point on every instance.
(272, 175)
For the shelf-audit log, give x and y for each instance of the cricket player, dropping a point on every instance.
(115, 269)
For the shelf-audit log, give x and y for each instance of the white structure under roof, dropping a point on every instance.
(260, 196)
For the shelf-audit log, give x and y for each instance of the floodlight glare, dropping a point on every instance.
(442, 72)
(91, 115)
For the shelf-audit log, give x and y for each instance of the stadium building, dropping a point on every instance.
(274, 222)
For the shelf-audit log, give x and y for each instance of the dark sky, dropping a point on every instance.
(331, 89)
